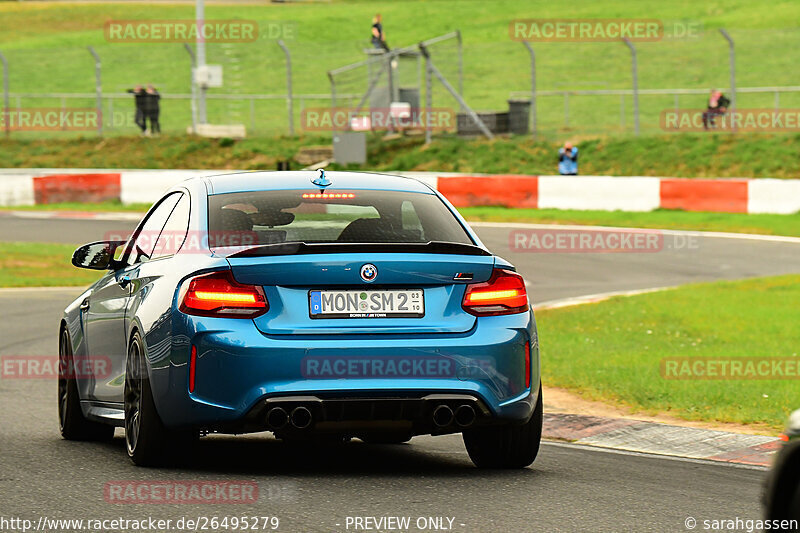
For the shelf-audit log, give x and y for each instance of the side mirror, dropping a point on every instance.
(96, 255)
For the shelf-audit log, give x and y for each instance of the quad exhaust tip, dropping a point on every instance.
(301, 417)
(442, 416)
(277, 418)
(465, 415)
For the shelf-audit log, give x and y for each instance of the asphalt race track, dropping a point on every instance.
(569, 487)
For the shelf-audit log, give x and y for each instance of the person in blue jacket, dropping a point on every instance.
(568, 160)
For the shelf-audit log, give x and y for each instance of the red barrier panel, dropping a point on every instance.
(505, 190)
(59, 188)
(721, 196)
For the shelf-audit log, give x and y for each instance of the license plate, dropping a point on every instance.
(403, 303)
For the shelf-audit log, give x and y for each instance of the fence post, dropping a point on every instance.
(200, 15)
(460, 65)
(193, 86)
(289, 98)
(333, 90)
(98, 89)
(533, 84)
(112, 123)
(252, 114)
(635, 72)
(6, 107)
(428, 99)
(333, 101)
(732, 59)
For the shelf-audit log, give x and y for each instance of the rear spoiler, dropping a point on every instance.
(304, 248)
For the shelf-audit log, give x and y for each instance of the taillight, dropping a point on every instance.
(219, 295)
(503, 294)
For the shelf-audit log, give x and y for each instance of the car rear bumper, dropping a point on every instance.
(346, 381)
(365, 413)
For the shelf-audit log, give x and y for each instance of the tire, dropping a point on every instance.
(72, 424)
(794, 506)
(147, 441)
(511, 446)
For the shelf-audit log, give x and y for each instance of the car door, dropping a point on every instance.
(153, 284)
(104, 309)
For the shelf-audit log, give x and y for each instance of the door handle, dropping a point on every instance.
(124, 281)
(85, 304)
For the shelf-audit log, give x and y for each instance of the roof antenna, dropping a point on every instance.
(321, 180)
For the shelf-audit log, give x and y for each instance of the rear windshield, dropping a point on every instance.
(337, 216)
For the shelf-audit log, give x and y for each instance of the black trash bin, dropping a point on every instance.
(410, 95)
(519, 112)
(495, 122)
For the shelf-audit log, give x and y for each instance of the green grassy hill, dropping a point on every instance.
(683, 155)
(45, 43)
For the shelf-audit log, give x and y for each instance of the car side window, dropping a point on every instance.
(174, 232)
(147, 235)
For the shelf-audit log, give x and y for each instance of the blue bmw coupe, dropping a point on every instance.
(314, 305)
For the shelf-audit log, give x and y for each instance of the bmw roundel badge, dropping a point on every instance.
(369, 272)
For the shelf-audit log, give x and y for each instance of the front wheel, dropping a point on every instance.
(795, 505)
(512, 446)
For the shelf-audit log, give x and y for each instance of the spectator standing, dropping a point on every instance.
(152, 108)
(568, 160)
(378, 37)
(139, 96)
(717, 105)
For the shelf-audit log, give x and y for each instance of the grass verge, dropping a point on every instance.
(676, 155)
(35, 264)
(788, 225)
(612, 351)
(99, 207)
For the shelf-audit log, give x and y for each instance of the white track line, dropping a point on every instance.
(594, 298)
(42, 289)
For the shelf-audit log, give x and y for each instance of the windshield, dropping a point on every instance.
(341, 216)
